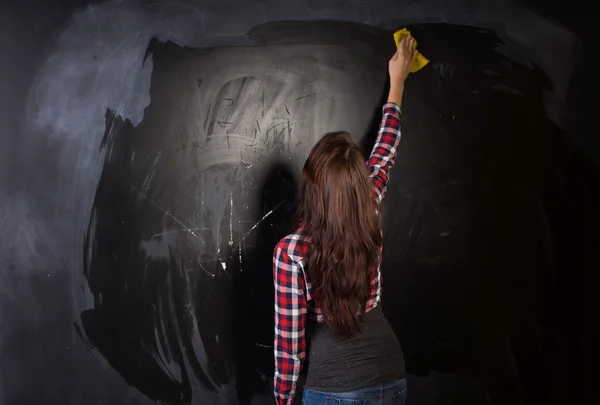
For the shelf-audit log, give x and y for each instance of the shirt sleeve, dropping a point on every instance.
(290, 322)
(383, 155)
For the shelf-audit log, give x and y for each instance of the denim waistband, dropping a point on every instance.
(374, 391)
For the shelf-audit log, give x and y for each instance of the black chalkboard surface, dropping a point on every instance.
(150, 159)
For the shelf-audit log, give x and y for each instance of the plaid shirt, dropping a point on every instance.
(294, 295)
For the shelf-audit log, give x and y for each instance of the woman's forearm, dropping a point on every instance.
(395, 94)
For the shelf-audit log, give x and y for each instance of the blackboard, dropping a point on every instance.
(117, 187)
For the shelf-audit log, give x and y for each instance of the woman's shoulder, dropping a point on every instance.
(295, 245)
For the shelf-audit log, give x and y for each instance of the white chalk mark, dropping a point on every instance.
(207, 260)
(92, 14)
(161, 234)
(167, 213)
(259, 222)
(223, 265)
(190, 311)
(152, 172)
(409, 240)
(240, 246)
(439, 213)
(231, 220)
(261, 345)
(202, 195)
(206, 271)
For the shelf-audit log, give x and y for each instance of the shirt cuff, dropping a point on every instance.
(285, 399)
(392, 108)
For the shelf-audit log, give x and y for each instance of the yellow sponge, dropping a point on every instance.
(420, 60)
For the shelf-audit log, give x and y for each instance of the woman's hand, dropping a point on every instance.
(399, 65)
(399, 68)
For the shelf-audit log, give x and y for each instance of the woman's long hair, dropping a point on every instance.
(339, 215)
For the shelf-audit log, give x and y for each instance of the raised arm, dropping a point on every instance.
(383, 155)
(290, 322)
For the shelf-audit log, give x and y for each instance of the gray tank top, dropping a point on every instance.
(370, 357)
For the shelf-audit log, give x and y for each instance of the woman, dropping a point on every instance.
(327, 277)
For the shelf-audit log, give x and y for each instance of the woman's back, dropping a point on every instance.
(370, 357)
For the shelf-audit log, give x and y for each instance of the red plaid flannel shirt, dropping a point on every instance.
(294, 299)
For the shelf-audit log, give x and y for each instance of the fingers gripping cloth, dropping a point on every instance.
(420, 60)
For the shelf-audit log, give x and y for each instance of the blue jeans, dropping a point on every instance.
(391, 393)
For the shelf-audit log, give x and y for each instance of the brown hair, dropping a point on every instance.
(338, 214)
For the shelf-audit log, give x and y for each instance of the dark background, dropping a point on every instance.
(490, 222)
